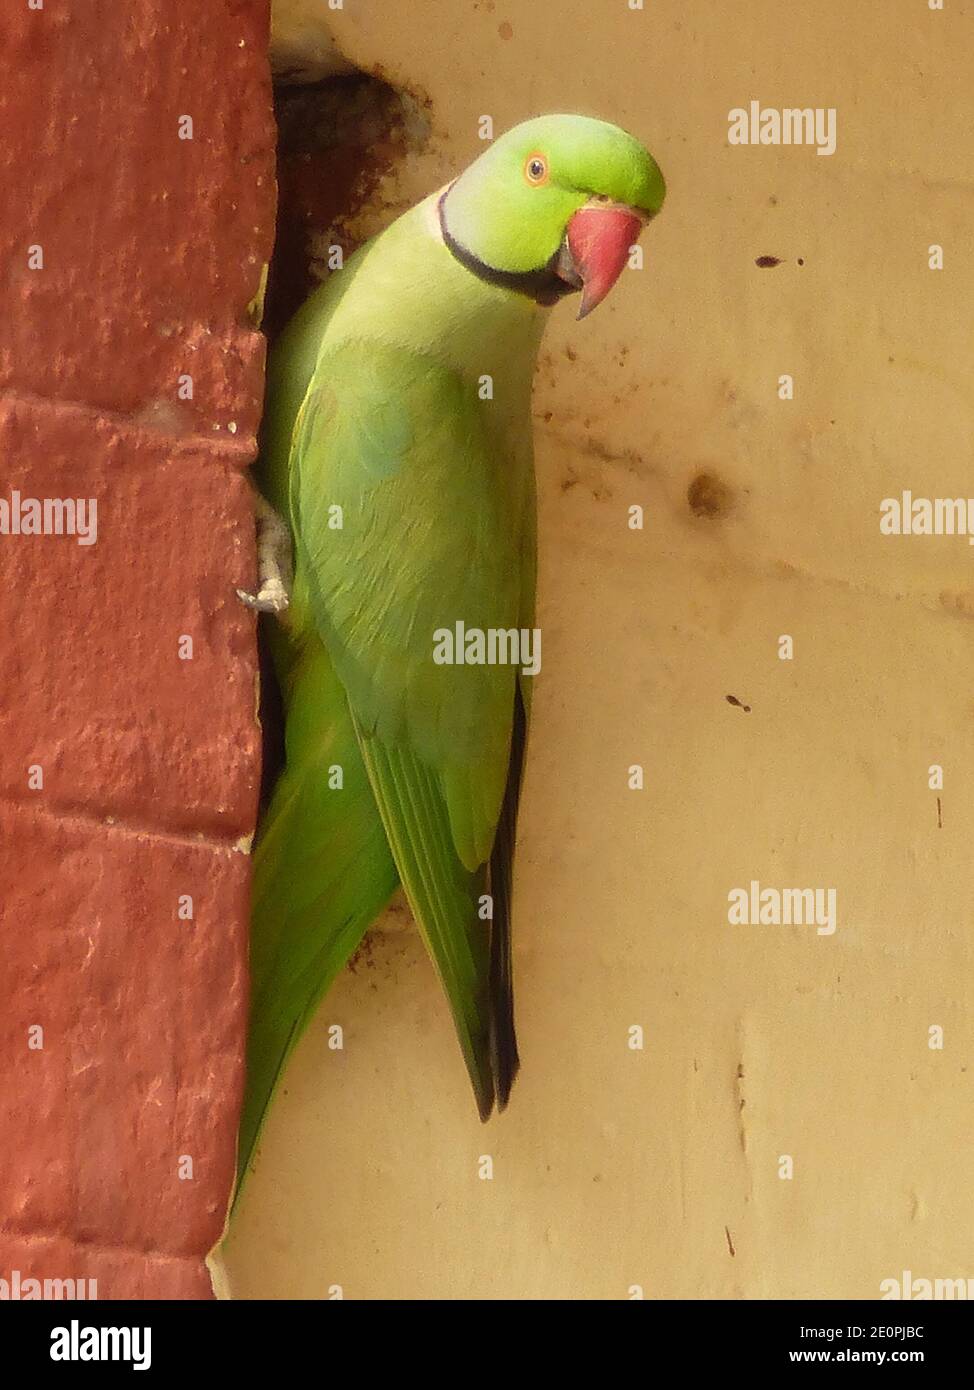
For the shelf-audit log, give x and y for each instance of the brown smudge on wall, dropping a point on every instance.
(709, 496)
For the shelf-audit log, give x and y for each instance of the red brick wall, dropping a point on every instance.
(151, 248)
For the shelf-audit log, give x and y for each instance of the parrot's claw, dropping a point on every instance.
(271, 597)
(274, 563)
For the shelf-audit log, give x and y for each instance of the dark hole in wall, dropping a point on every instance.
(336, 140)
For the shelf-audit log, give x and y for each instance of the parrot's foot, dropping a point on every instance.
(274, 564)
(271, 597)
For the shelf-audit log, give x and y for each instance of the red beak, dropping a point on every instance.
(599, 239)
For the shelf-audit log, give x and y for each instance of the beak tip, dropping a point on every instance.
(599, 242)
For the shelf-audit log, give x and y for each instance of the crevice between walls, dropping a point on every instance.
(339, 136)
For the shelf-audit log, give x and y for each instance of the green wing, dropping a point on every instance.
(322, 874)
(412, 513)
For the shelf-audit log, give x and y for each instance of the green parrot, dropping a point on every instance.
(397, 448)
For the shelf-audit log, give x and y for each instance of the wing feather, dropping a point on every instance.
(434, 527)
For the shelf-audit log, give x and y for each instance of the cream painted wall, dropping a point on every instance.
(661, 1167)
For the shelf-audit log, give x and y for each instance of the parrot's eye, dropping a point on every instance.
(536, 169)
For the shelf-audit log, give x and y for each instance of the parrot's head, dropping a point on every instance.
(553, 206)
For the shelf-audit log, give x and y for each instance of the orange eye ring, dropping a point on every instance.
(536, 170)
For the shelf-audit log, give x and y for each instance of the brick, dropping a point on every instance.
(152, 245)
(95, 692)
(143, 1033)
